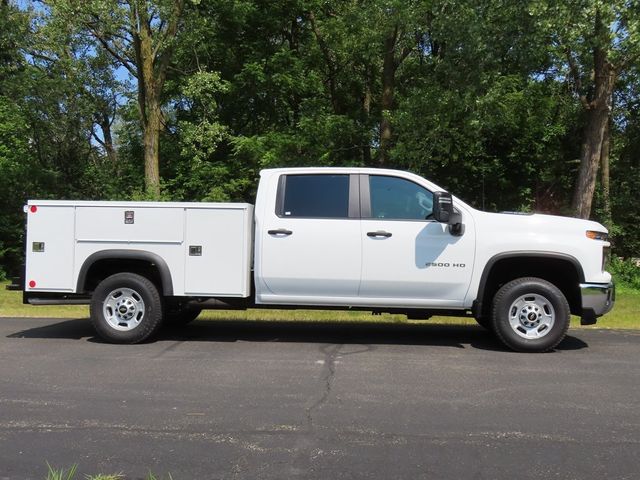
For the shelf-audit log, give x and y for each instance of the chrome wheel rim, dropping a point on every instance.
(532, 316)
(123, 309)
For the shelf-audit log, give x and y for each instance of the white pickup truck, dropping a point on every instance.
(351, 238)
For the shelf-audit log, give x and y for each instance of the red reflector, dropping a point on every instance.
(32, 284)
(33, 209)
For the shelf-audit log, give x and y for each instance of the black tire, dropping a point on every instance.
(126, 308)
(181, 317)
(530, 315)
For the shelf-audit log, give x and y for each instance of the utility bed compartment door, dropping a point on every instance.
(129, 224)
(50, 248)
(217, 249)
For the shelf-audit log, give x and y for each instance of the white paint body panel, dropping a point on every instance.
(324, 262)
(500, 234)
(53, 269)
(73, 231)
(320, 258)
(225, 238)
(391, 268)
(420, 261)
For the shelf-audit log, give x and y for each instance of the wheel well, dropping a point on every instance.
(104, 268)
(561, 272)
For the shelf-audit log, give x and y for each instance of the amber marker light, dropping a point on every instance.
(593, 235)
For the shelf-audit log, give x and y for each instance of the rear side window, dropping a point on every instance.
(314, 196)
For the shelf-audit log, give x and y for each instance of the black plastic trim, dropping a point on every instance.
(522, 254)
(365, 196)
(354, 196)
(279, 231)
(165, 273)
(282, 184)
(54, 298)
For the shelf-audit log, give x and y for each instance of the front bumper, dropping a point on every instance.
(597, 299)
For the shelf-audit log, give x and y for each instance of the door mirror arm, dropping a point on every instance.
(456, 227)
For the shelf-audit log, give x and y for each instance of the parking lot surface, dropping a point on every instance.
(294, 400)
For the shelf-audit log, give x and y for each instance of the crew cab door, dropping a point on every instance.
(310, 242)
(408, 258)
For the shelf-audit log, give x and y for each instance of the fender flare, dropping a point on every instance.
(525, 254)
(116, 254)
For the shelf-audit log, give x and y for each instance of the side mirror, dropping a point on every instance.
(442, 207)
(443, 212)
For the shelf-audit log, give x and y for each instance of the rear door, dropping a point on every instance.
(311, 246)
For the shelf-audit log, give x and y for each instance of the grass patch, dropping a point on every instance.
(70, 474)
(61, 474)
(11, 306)
(625, 314)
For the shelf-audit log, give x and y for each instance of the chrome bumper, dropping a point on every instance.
(597, 299)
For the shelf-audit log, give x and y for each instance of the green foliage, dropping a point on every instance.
(200, 172)
(70, 474)
(485, 101)
(626, 272)
(61, 474)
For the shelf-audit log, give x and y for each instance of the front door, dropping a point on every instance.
(408, 258)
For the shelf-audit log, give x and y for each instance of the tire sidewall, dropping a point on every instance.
(524, 286)
(152, 303)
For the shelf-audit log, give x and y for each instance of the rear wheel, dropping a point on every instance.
(126, 308)
(530, 315)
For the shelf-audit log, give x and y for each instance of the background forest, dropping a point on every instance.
(527, 105)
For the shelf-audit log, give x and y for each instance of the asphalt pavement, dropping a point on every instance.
(278, 401)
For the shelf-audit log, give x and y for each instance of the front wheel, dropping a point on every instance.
(126, 308)
(530, 315)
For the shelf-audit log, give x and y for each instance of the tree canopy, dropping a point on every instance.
(511, 105)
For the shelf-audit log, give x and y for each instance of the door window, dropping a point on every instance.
(314, 196)
(399, 199)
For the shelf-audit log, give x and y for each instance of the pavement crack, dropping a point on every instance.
(326, 381)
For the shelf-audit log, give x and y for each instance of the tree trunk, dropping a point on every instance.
(110, 150)
(589, 161)
(148, 65)
(604, 160)
(366, 109)
(388, 90)
(595, 131)
(330, 61)
(152, 114)
(151, 150)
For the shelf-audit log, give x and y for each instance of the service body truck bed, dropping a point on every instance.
(359, 238)
(206, 247)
